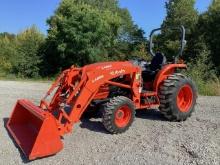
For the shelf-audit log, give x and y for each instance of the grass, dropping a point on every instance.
(11, 77)
(209, 88)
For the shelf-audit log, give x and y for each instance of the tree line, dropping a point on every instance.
(87, 31)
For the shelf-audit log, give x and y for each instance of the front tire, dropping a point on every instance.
(118, 114)
(177, 96)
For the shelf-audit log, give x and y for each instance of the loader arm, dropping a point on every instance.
(77, 87)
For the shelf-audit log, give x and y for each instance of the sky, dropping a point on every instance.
(16, 15)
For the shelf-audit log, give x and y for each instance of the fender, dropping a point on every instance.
(164, 73)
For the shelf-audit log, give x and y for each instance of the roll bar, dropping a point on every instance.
(182, 44)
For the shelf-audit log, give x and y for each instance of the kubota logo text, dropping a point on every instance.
(97, 78)
(117, 72)
(106, 67)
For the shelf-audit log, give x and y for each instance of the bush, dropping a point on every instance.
(202, 72)
(210, 88)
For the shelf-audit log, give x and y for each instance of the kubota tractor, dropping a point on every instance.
(116, 88)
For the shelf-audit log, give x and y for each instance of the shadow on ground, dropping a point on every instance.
(92, 125)
(24, 159)
(93, 122)
(150, 114)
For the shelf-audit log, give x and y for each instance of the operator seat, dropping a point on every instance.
(156, 64)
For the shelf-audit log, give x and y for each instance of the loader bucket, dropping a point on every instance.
(34, 130)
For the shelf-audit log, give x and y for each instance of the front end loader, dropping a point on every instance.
(117, 89)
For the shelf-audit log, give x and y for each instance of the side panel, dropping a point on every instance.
(166, 71)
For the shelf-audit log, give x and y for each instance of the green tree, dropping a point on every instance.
(7, 52)
(26, 61)
(179, 12)
(83, 32)
(208, 27)
(8, 35)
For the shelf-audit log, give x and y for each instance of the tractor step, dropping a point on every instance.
(149, 99)
(148, 93)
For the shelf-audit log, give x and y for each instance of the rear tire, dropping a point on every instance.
(118, 114)
(177, 96)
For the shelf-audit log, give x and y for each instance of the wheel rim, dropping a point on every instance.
(185, 98)
(122, 116)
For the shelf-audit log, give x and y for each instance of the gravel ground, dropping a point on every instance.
(150, 140)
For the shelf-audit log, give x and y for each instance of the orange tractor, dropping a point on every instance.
(116, 88)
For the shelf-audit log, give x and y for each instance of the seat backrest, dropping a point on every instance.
(157, 62)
